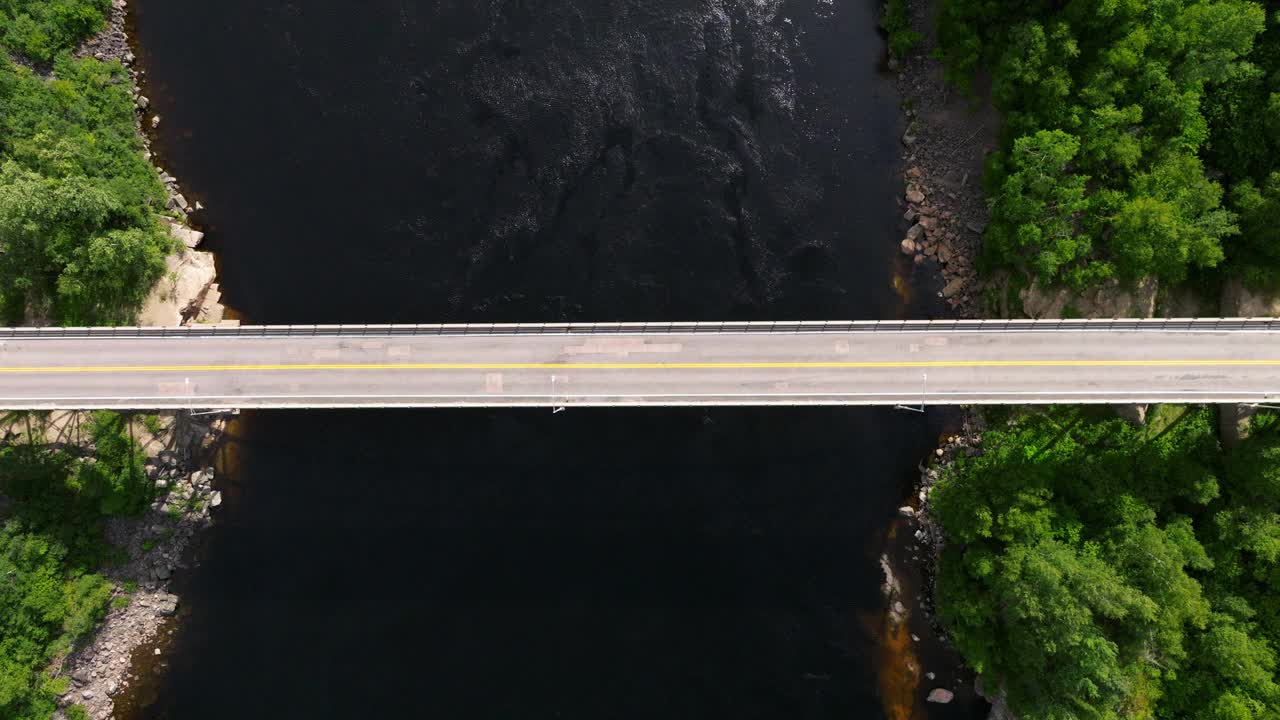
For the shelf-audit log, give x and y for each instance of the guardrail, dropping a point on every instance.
(653, 328)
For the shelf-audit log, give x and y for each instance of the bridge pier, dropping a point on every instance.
(1233, 423)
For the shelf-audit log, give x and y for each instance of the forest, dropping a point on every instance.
(81, 245)
(1097, 569)
(79, 203)
(1140, 137)
(50, 546)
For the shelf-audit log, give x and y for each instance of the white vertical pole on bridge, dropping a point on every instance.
(924, 381)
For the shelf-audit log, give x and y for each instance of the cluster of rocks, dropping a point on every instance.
(927, 533)
(935, 235)
(113, 44)
(102, 668)
(154, 545)
(945, 146)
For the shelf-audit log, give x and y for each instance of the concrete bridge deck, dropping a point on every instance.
(876, 363)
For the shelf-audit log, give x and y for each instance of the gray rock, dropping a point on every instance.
(1000, 709)
(953, 288)
(155, 121)
(113, 687)
(915, 196)
(215, 499)
(183, 234)
(86, 694)
(167, 605)
(163, 572)
(907, 511)
(915, 232)
(976, 227)
(940, 695)
(144, 102)
(908, 247)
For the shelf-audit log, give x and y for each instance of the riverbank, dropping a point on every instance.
(945, 145)
(145, 549)
(944, 212)
(188, 291)
(179, 457)
(159, 485)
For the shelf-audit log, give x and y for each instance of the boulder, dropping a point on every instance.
(167, 605)
(907, 511)
(1110, 299)
(185, 235)
(914, 196)
(915, 232)
(953, 288)
(940, 695)
(215, 499)
(187, 282)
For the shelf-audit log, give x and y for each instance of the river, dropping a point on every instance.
(520, 160)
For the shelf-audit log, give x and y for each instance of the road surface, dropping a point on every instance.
(619, 369)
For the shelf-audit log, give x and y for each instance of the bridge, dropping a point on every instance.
(896, 363)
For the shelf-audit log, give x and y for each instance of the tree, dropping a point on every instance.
(1035, 214)
(1172, 221)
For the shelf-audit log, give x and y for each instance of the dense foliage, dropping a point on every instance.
(78, 201)
(1244, 143)
(1111, 108)
(1097, 569)
(896, 23)
(49, 546)
(39, 29)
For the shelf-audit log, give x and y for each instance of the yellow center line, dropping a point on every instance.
(819, 365)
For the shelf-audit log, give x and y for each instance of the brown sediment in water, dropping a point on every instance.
(897, 669)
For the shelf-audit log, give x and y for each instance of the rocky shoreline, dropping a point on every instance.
(179, 452)
(153, 544)
(189, 290)
(945, 146)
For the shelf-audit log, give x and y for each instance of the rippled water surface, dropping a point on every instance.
(421, 161)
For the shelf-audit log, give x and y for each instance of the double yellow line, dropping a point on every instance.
(820, 365)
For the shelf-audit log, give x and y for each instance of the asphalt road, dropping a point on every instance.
(890, 368)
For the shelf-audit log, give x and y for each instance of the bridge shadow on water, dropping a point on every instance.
(595, 563)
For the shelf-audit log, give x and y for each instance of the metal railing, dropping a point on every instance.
(653, 328)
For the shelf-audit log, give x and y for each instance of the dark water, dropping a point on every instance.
(519, 160)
